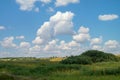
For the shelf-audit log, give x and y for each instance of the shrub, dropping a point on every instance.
(90, 56)
(77, 60)
(99, 56)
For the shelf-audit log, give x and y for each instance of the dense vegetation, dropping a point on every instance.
(45, 69)
(89, 57)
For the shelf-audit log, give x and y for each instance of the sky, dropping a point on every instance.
(46, 28)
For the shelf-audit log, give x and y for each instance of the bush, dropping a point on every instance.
(77, 60)
(99, 56)
(90, 56)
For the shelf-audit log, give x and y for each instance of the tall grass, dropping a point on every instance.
(46, 70)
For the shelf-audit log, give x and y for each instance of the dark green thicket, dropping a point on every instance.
(77, 60)
(90, 56)
(99, 56)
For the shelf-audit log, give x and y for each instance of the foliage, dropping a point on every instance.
(99, 56)
(90, 56)
(44, 69)
(77, 60)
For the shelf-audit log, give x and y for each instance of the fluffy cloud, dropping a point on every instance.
(35, 49)
(60, 23)
(82, 35)
(28, 5)
(2, 27)
(38, 41)
(24, 45)
(51, 46)
(108, 17)
(83, 30)
(111, 44)
(45, 1)
(68, 46)
(65, 2)
(20, 37)
(96, 47)
(8, 42)
(73, 44)
(95, 41)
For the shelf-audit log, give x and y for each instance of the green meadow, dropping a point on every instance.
(47, 69)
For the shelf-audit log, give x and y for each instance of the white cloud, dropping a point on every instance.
(26, 5)
(20, 37)
(96, 47)
(24, 45)
(45, 1)
(65, 2)
(51, 46)
(73, 44)
(36, 49)
(82, 35)
(64, 46)
(83, 30)
(60, 23)
(108, 17)
(95, 41)
(68, 46)
(38, 41)
(2, 28)
(8, 42)
(111, 44)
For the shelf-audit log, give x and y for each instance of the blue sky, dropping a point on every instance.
(44, 28)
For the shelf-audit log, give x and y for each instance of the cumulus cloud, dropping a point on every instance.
(68, 46)
(111, 44)
(51, 46)
(24, 45)
(45, 1)
(96, 47)
(108, 17)
(2, 28)
(65, 2)
(38, 41)
(35, 49)
(60, 23)
(8, 42)
(83, 30)
(28, 5)
(82, 35)
(20, 37)
(96, 41)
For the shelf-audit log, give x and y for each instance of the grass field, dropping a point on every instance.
(45, 69)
